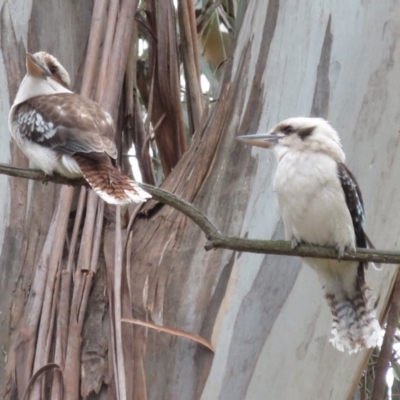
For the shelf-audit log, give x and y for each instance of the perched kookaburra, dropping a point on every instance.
(60, 131)
(321, 203)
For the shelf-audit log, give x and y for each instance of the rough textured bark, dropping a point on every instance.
(266, 315)
(60, 28)
(164, 108)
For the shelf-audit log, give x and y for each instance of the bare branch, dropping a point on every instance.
(217, 240)
(38, 175)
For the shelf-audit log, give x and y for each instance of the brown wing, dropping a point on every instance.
(68, 123)
(354, 202)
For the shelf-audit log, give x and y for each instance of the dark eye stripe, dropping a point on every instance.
(287, 130)
(303, 133)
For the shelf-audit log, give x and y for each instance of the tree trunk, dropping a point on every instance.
(266, 315)
(61, 28)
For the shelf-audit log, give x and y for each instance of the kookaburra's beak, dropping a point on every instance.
(35, 68)
(266, 140)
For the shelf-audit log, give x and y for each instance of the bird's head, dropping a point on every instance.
(42, 65)
(44, 76)
(299, 134)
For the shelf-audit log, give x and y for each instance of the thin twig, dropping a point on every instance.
(37, 374)
(217, 240)
(171, 331)
(383, 362)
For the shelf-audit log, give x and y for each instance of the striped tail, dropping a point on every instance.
(354, 325)
(109, 183)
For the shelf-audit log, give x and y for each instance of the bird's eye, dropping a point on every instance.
(288, 130)
(53, 69)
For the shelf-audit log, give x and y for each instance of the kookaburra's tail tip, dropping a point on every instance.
(109, 183)
(354, 325)
(135, 194)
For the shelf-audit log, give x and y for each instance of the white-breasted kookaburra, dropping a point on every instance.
(320, 203)
(63, 132)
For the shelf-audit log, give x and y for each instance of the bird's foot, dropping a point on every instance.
(341, 249)
(294, 243)
(46, 179)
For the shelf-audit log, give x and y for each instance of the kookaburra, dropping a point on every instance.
(320, 203)
(63, 132)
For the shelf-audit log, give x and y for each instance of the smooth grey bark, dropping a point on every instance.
(266, 315)
(337, 61)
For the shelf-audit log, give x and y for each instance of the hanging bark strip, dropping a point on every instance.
(73, 346)
(190, 55)
(25, 347)
(164, 88)
(51, 313)
(45, 327)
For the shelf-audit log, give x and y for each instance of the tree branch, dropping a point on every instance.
(38, 175)
(217, 240)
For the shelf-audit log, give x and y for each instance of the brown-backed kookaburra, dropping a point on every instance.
(63, 132)
(321, 203)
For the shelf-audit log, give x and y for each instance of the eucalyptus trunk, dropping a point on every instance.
(265, 315)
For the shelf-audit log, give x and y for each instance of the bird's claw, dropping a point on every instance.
(294, 243)
(46, 179)
(341, 249)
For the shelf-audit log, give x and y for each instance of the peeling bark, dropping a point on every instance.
(262, 313)
(29, 206)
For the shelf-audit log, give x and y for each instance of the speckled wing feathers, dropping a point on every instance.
(68, 123)
(74, 126)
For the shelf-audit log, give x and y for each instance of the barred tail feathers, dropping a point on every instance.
(109, 183)
(354, 325)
